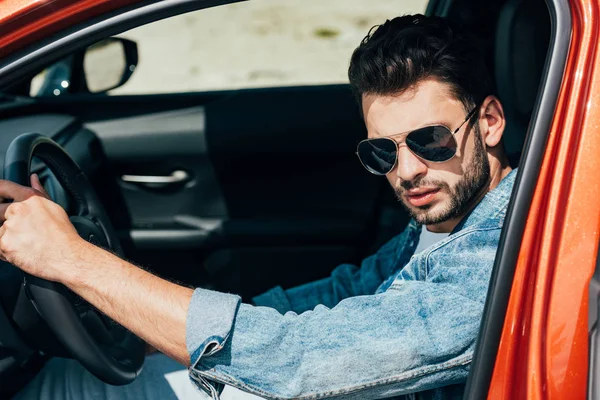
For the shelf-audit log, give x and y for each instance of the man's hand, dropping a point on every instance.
(36, 234)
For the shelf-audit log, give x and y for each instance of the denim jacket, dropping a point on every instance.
(401, 323)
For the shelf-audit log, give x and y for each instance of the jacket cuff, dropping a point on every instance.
(209, 321)
(274, 298)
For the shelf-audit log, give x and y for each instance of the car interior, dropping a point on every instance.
(238, 190)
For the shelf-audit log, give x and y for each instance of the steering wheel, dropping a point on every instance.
(107, 350)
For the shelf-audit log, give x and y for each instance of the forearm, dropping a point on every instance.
(152, 308)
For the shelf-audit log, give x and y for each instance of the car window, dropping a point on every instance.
(262, 43)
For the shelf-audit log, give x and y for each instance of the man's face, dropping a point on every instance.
(432, 192)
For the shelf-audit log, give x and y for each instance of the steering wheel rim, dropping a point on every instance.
(51, 299)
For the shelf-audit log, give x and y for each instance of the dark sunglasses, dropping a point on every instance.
(435, 143)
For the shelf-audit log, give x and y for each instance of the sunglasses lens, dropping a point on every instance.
(432, 143)
(377, 155)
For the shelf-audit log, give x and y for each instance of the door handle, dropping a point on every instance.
(178, 176)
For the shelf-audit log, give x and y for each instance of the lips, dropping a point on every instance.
(421, 197)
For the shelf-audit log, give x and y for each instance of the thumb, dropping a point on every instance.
(37, 185)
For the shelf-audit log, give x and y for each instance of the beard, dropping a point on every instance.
(462, 196)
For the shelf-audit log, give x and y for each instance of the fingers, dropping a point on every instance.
(3, 208)
(2, 230)
(37, 185)
(14, 191)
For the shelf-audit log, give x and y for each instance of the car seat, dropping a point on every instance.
(522, 40)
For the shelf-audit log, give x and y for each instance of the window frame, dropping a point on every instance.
(490, 332)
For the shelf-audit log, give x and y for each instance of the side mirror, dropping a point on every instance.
(101, 67)
(109, 63)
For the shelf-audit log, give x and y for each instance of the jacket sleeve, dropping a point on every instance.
(346, 280)
(418, 335)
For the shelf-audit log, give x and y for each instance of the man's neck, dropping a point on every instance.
(496, 176)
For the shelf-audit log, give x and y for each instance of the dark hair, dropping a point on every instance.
(403, 51)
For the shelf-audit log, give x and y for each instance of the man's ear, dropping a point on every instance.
(492, 122)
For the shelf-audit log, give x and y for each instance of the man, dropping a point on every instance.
(404, 322)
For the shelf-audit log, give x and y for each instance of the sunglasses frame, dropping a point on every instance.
(453, 133)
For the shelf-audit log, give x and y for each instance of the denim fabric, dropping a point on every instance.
(401, 323)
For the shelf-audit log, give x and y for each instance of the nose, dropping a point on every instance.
(409, 166)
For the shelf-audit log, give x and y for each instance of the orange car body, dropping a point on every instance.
(543, 352)
(23, 22)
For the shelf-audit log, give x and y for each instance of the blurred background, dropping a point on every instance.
(261, 43)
